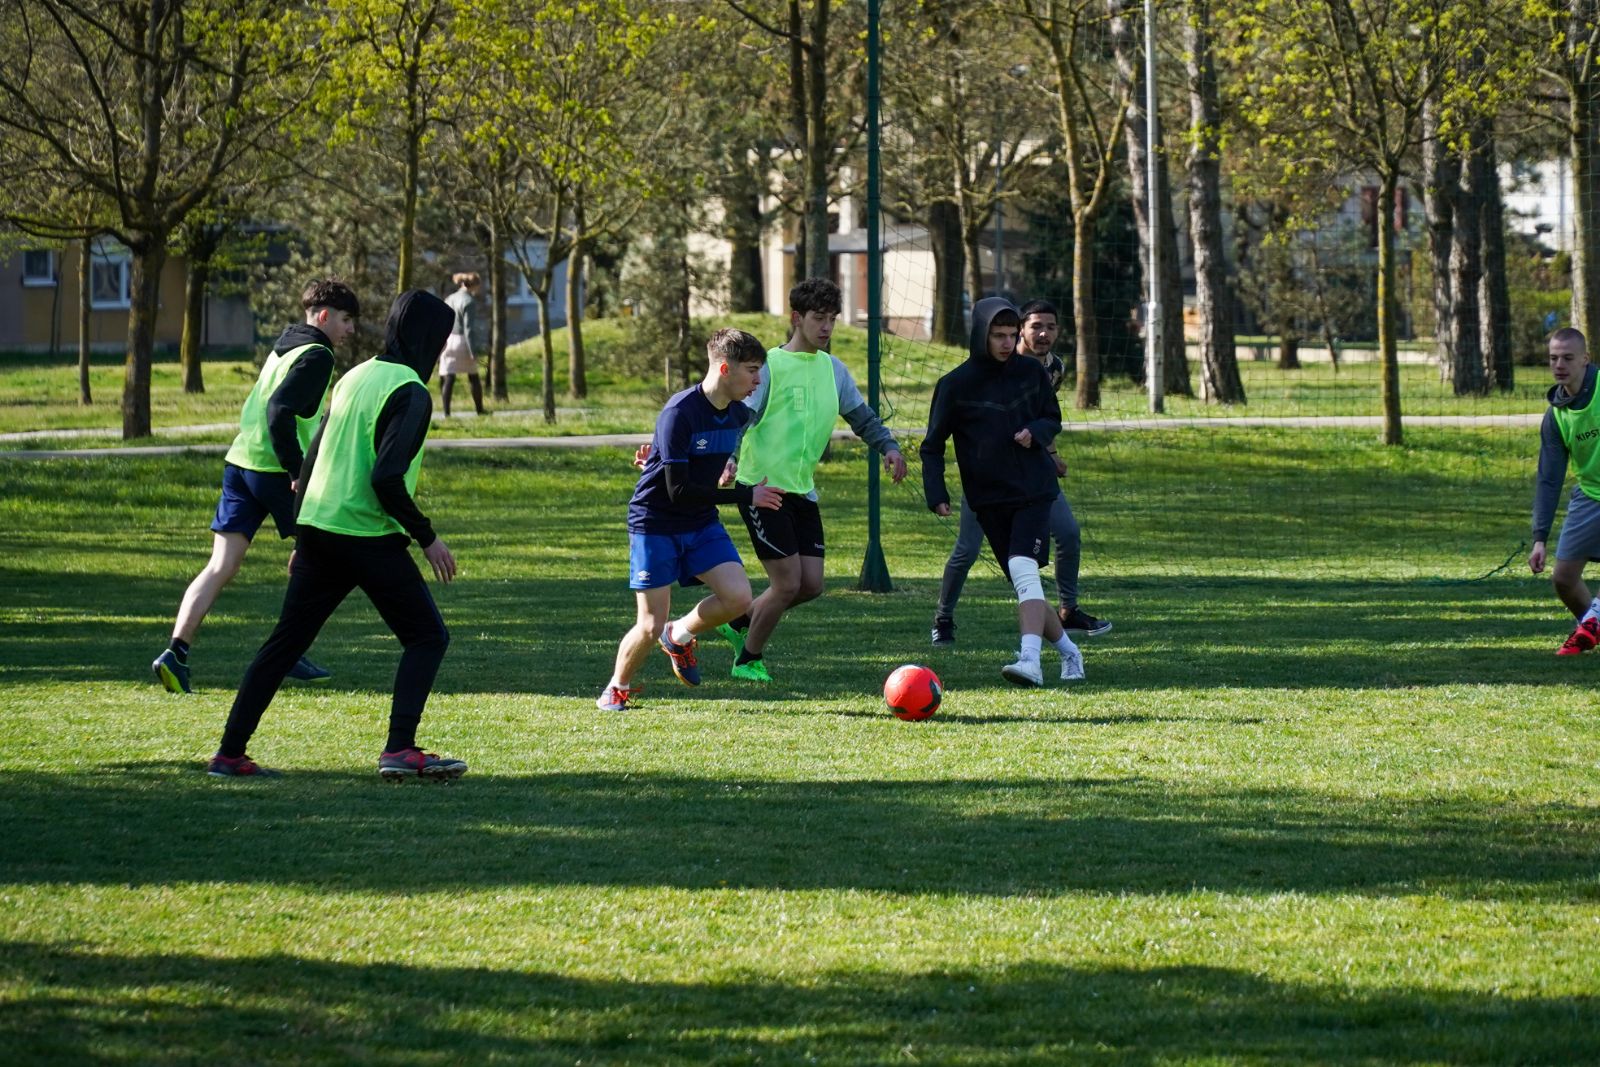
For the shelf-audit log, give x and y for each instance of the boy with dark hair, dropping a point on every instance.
(275, 425)
(1003, 415)
(1040, 327)
(357, 519)
(1570, 431)
(673, 528)
(805, 391)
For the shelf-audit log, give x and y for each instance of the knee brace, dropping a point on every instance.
(1025, 579)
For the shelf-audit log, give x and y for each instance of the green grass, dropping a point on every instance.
(38, 393)
(1319, 801)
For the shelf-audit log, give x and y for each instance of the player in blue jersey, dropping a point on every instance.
(673, 528)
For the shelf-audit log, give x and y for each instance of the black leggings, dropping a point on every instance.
(327, 566)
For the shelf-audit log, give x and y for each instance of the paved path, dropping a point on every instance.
(633, 440)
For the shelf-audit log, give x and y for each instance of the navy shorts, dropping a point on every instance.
(656, 560)
(1018, 530)
(248, 497)
(794, 529)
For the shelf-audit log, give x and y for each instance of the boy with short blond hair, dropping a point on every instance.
(1570, 432)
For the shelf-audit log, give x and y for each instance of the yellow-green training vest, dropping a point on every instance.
(1580, 431)
(339, 497)
(252, 446)
(802, 407)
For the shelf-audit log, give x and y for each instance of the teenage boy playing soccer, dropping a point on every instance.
(1040, 328)
(357, 519)
(803, 394)
(1571, 430)
(1003, 415)
(673, 530)
(279, 417)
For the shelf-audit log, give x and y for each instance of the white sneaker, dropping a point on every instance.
(1023, 672)
(1072, 666)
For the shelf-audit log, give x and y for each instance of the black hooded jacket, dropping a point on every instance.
(301, 391)
(419, 324)
(982, 404)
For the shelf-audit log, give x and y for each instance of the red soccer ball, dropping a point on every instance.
(913, 692)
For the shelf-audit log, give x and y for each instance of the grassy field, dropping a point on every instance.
(1320, 800)
(38, 392)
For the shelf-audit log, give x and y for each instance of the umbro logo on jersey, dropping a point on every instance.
(702, 444)
(643, 576)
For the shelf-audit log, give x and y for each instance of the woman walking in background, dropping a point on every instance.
(458, 357)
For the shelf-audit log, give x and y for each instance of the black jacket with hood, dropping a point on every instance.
(419, 324)
(982, 404)
(301, 391)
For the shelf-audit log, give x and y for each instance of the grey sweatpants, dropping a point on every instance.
(969, 543)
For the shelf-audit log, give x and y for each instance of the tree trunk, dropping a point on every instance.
(547, 386)
(84, 260)
(741, 206)
(944, 236)
(1466, 273)
(1220, 382)
(1388, 310)
(149, 254)
(1495, 299)
(685, 327)
(577, 379)
(497, 307)
(1125, 41)
(1583, 134)
(1086, 332)
(970, 252)
(818, 144)
(413, 169)
(1288, 346)
(1441, 172)
(194, 309)
(799, 119)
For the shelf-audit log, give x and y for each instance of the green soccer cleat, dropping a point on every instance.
(172, 674)
(734, 638)
(754, 671)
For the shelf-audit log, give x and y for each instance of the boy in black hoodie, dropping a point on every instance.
(276, 423)
(1003, 415)
(357, 519)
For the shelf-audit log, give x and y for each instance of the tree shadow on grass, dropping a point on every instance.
(166, 825)
(74, 1004)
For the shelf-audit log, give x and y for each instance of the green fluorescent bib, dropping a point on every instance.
(252, 446)
(1580, 430)
(339, 497)
(802, 407)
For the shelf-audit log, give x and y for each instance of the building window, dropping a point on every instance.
(38, 267)
(108, 275)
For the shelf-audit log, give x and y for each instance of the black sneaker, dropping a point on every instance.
(944, 633)
(306, 671)
(1077, 620)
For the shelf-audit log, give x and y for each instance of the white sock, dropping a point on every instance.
(1030, 648)
(614, 684)
(679, 634)
(1064, 644)
(1593, 612)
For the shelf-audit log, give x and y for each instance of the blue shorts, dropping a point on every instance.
(661, 559)
(248, 497)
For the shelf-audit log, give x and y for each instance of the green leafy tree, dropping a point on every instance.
(144, 105)
(1334, 87)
